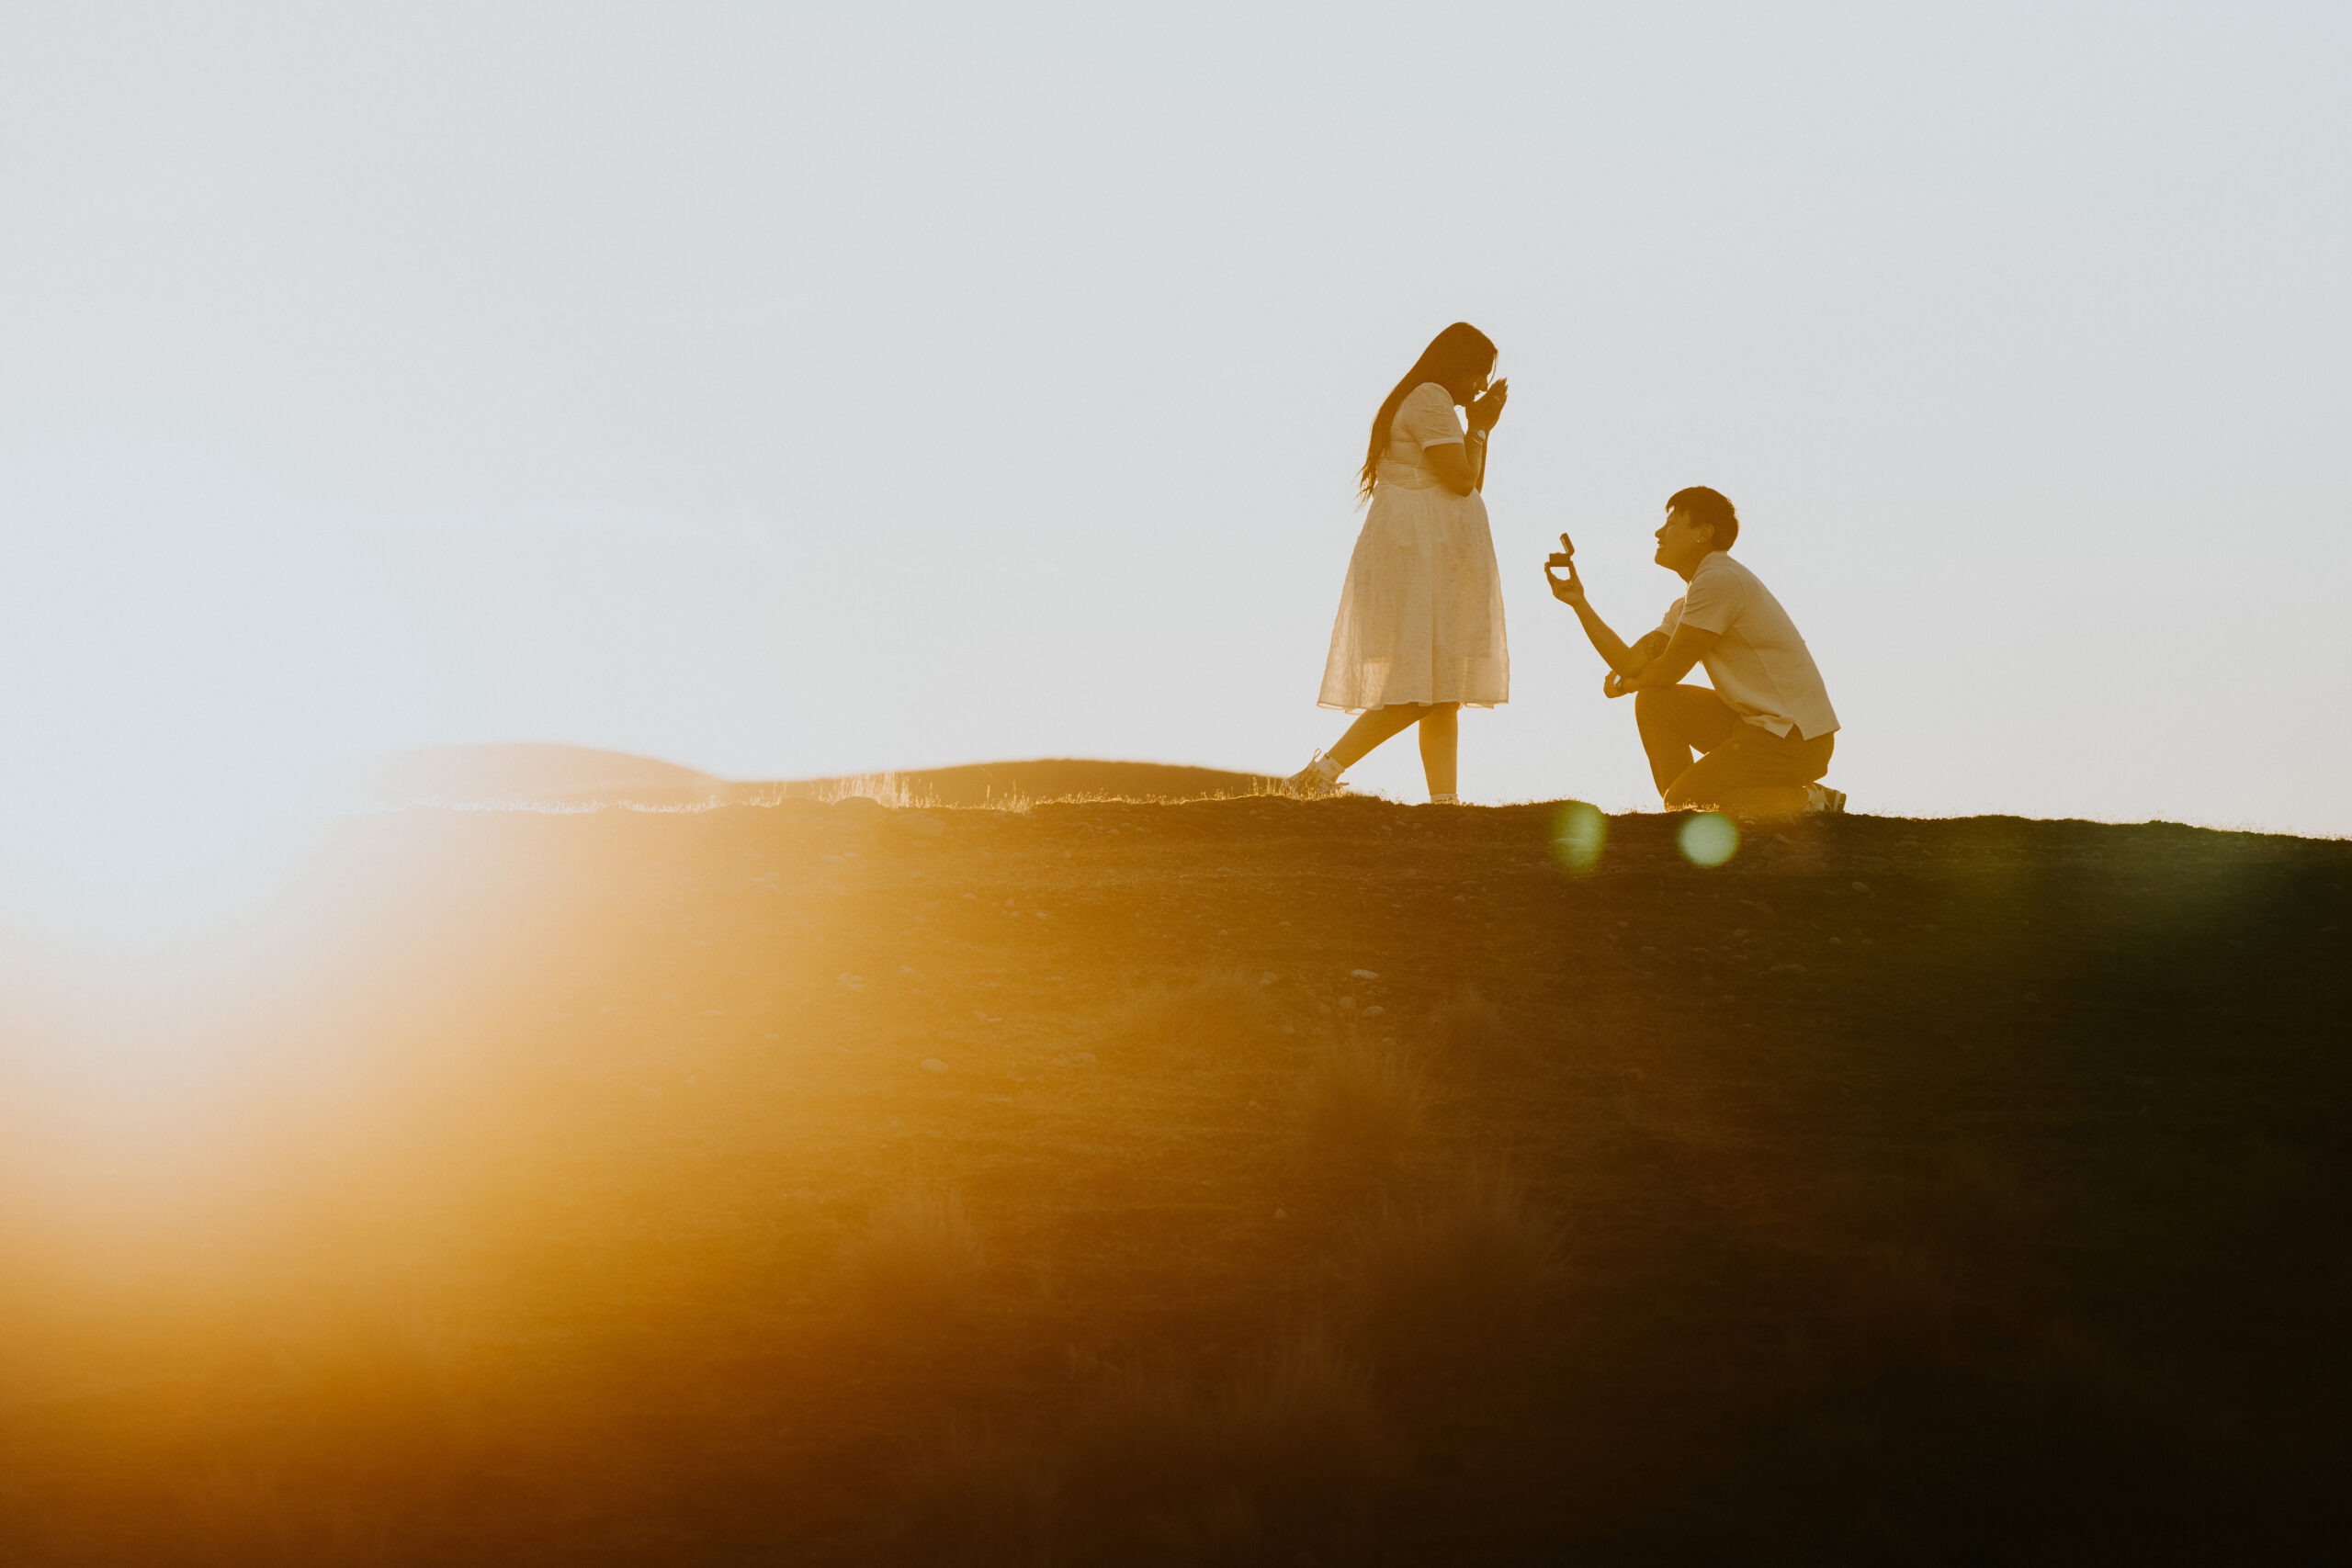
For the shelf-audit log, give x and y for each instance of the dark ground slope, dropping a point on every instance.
(1930, 1192)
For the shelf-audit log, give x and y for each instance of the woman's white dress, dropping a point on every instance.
(1421, 614)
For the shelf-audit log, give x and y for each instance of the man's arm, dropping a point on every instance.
(1668, 666)
(1651, 645)
(1623, 661)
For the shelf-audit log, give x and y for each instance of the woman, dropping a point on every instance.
(1420, 626)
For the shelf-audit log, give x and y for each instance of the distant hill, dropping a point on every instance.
(540, 773)
(528, 773)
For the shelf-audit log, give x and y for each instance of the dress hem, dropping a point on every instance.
(1460, 701)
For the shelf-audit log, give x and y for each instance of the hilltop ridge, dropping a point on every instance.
(547, 773)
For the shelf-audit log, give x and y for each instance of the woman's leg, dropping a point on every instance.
(1373, 726)
(1441, 735)
(1439, 729)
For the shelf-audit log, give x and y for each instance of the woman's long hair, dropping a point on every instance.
(1454, 357)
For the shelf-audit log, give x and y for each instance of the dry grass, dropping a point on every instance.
(918, 1263)
(1365, 1103)
(1467, 1033)
(338, 1430)
(892, 790)
(1455, 1281)
(1220, 1007)
(1897, 1310)
(242, 1516)
(1279, 1463)
(978, 1497)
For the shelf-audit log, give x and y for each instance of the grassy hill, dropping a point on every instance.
(1240, 1180)
(544, 773)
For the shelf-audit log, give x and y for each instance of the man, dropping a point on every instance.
(1767, 729)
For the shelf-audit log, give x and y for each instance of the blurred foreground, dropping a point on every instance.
(1239, 1180)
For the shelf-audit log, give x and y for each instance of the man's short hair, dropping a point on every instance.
(1703, 505)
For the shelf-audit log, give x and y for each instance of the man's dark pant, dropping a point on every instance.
(1744, 766)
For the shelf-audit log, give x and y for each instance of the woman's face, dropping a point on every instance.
(1467, 387)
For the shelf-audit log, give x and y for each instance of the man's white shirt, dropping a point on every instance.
(1761, 668)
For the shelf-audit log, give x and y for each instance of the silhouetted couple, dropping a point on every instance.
(1419, 631)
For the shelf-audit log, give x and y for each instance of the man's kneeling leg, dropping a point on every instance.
(1674, 721)
(1753, 772)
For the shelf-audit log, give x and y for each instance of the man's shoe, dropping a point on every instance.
(1320, 776)
(1820, 800)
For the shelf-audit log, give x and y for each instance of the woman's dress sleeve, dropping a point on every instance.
(1426, 417)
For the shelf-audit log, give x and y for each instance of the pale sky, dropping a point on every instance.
(787, 390)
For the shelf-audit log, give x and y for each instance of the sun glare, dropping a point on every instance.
(1579, 835)
(1709, 838)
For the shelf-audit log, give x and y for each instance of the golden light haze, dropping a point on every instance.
(1175, 1171)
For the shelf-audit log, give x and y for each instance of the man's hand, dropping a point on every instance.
(1489, 410)
(1568, 591)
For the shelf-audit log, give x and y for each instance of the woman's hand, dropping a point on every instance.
(1488, 409)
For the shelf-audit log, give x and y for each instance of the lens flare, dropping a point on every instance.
(1577, 836)
(1709, 838)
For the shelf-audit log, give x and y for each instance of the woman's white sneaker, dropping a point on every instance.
(1820, 800)
(1320, 776)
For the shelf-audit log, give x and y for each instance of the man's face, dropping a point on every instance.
(1682, 545)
